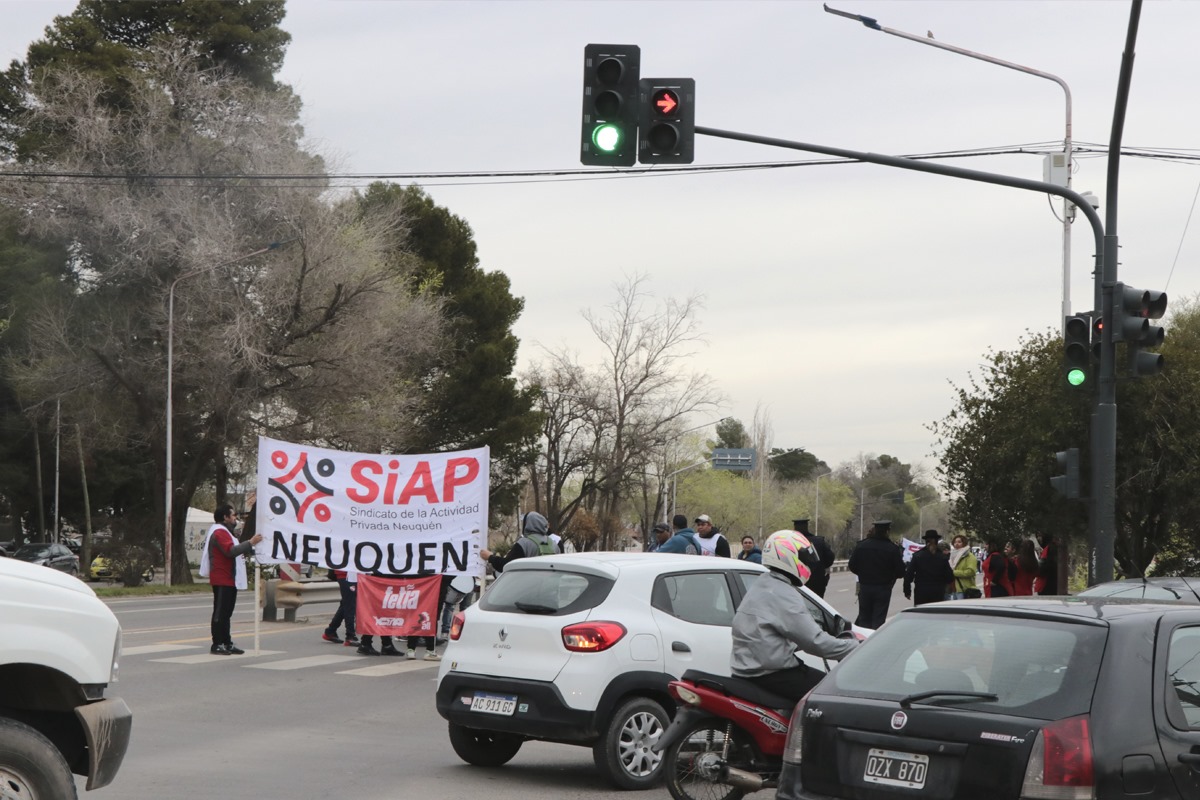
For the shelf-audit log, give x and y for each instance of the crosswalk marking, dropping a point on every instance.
(389, 668)
(207, 658)
(147, 649)
(301, 663)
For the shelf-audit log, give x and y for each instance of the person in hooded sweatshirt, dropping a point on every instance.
(750, 551)
(535, 541)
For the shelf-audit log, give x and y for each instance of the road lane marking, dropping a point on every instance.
(389, 668)
(303, 663)
(207, 658)
(147, 649)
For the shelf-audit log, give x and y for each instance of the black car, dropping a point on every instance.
(1185, 589)
(55, 556)
(1072, 698)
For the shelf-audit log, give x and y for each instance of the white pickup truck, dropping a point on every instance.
(59, 647)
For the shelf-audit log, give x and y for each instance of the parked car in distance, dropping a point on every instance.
(101, 570)
(55, 556)
(1007, 698)
(1185, 589)
(579, 649)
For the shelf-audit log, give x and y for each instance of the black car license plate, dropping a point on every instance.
(894, 768)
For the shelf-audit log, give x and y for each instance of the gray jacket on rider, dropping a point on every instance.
(772, 624)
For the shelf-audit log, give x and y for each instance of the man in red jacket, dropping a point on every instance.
(224, 562)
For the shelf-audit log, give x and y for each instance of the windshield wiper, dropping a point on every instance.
(534, 608)
(951, 695)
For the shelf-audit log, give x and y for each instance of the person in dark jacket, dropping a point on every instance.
(878, 563)
(535, 540)
(819, 581)
(929, 569)
(996, 579)
(750, 552)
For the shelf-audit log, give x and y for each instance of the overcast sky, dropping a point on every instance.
(845, 300)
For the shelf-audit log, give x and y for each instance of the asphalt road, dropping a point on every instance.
(308, 719)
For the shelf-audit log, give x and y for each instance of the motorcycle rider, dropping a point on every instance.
(772, 624)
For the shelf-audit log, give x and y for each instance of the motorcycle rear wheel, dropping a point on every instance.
(691, 763)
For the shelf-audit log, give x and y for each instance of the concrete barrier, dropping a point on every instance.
(290, 595)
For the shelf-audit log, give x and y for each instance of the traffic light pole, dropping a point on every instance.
(1102, 519)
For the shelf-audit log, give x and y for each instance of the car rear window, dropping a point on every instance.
(1036, 668)
(553, 592)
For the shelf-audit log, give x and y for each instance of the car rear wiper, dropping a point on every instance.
(534, 608)
(951, 695)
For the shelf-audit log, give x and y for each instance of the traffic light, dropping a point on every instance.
(1067, 484)
(1133, 310)
(1077, 351)
(610, 104)
(666, 120)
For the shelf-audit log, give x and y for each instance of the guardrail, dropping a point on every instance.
(840, 566)
(290, 595)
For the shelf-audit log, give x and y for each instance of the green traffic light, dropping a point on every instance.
(607, 138)
(1076, 377)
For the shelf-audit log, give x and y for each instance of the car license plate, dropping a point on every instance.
(504, 704)
(893, 768)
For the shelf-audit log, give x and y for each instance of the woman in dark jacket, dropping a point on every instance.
(749, 551)
(996, 581)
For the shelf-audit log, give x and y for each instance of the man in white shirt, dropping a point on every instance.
(712, 542)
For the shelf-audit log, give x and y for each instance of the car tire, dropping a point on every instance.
(689, 763)
(484, 748)
(623, 752)
(31, 766)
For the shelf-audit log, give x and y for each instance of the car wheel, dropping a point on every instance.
(624, 753)
(693, 765)
(31, 766)
(484, 748)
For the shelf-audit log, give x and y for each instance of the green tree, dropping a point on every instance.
(998, 446)
(795, 464)
(731, 433)
(108, 39)
(474, 398)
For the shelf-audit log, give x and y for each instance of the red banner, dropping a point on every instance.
(398, 606)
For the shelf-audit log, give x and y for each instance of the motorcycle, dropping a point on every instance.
(726, 739)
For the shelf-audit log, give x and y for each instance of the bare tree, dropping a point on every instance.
(632, 405)
(316, 339)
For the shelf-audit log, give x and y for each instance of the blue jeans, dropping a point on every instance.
(346, 609)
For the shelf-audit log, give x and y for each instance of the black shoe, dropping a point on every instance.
(352, 641)
(234, 650)
(220, 650)
(366, 650)
(390, 650)
(331, 637)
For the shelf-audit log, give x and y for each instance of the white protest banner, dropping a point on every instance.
(392, 514)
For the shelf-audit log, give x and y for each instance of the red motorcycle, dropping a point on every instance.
(726, 739)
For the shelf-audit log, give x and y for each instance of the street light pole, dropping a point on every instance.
(1068, 206)
(817, 520)
(170, 488)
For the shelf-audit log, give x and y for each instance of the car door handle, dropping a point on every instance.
(680, 647)
(1190, 758)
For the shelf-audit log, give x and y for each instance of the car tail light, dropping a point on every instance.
(456, 626)
(1060, 766)
(794, 744)
(592, 637)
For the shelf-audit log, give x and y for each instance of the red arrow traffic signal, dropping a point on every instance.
(666, 101)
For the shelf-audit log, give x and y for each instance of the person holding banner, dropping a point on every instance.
(535, 541)
(223, 562)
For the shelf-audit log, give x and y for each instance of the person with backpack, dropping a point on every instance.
(535, 541)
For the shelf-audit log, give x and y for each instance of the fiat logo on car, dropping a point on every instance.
(899, 720)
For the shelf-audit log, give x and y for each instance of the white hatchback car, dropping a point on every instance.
(579, 649)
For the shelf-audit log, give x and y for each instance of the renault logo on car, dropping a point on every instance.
(503, 634)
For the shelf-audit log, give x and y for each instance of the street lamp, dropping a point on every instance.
(672, 440)
(170, 391)
(817, 526)
(1068, 213)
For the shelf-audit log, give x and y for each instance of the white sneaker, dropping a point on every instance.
(432, 656)
(412, 655)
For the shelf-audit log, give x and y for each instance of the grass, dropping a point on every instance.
(149, 590)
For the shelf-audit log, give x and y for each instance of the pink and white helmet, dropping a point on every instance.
(791, 553)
